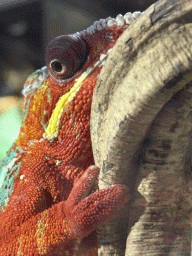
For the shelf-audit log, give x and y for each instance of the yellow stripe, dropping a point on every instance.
(52, 129)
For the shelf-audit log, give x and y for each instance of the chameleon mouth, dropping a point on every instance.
(53, 127)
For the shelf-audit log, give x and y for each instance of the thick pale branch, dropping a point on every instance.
(141, 132)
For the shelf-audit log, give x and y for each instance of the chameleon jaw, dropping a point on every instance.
(53, 127)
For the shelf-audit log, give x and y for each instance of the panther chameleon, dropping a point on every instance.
(49, 200)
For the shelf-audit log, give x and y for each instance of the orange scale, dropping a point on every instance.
(79, 97)
(75, 101)
(80, 102)
(81, 114)
(90, 87)
(90, 91)
(85, 92)
(77, 109)
(89, 101)
(85, 99)
(86, 107)
(71, 121)
(76, 119)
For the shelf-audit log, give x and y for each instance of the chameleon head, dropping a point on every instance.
(58, 97)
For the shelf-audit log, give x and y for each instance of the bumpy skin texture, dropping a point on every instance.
(49, 202)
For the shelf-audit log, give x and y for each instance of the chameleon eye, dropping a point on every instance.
(57, 66)
(66, 55)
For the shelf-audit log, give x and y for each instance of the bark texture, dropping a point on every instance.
(141, 128)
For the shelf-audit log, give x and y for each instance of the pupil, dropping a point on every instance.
(56, 66)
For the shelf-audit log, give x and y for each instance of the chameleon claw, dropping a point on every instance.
(92, 211)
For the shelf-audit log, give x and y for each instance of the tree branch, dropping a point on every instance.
(141, 130)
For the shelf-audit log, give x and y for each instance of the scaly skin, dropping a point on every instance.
(48, 197)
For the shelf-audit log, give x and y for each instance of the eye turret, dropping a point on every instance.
(66, 55)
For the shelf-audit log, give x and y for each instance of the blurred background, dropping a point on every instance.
(25, 29)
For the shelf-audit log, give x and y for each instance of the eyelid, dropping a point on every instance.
(70, 52)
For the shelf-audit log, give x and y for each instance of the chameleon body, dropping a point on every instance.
(49, 202)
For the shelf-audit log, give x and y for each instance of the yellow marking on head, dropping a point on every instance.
(52, 129)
